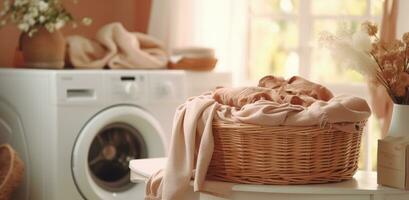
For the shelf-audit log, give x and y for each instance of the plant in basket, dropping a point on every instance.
(385, 63)
(40, 21)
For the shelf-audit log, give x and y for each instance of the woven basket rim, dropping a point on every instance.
(12, 162)
(218, 121)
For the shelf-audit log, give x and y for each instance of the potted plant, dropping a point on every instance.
(380, 62)
(41, 41)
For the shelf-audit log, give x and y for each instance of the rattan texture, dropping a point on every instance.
(284, 155)
(11, 171)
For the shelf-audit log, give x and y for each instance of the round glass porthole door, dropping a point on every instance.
(104, 147)
(109, 155)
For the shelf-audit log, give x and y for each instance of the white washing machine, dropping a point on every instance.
(77, 130)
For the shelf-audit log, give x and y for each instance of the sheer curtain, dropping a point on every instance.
(218, 24)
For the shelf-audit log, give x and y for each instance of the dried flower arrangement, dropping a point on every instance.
(30, 15)
(384, 63)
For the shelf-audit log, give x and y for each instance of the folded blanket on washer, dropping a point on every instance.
(116, 48)
(192, 141)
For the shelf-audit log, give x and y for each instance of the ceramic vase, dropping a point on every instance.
(400, 121)
(43, 49)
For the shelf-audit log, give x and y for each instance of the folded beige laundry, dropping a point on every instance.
(116, 48)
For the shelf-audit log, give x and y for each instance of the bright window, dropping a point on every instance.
(282, 40)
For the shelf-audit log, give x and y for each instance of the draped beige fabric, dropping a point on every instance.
(381, 103)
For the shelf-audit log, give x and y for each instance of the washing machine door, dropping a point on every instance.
(104, 147)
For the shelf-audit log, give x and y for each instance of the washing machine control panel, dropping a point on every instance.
(79, 89)
(167, 87)
(127, 87)
(132, 88)
(121, 87)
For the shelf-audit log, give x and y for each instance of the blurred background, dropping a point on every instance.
(252, 38)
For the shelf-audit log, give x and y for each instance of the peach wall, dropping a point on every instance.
(134, 14)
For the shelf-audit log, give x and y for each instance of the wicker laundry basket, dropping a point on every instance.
(255, 154)
(11, 171)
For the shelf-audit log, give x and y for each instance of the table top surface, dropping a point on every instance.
(363, 182)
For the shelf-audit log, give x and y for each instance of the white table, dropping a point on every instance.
(362, 187)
